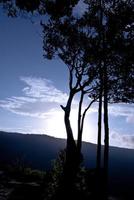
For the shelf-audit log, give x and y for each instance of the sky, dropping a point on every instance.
(33, 88)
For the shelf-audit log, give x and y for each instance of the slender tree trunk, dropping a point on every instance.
(99, 189)
(106, 131)
(79, 139)
(98, 185)
(105, 91)
(98, 162)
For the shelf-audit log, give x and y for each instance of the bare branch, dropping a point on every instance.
(79, 112)
(84, 113)
(79, 140)
(71, 79)
(63, 107)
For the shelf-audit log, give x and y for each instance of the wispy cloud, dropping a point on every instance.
(26, 130)
(121, 109)
(38, 97)
(122, 140)
(118, 110)
(124, 110)
(43, 90)
(130, 119)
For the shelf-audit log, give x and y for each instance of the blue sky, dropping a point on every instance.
(32, 89)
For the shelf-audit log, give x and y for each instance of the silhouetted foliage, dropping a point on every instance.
(56, 185)
(110, 21)
(55, 9)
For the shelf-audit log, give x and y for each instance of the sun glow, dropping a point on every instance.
(54, 126)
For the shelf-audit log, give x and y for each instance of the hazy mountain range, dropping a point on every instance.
(38, 151)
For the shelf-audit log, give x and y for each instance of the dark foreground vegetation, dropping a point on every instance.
(31, 167)
(20, 183)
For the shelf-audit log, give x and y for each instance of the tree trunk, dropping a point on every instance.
(80, 129)
(98, 162)
(70, 139)
(70, 166)
(98, 183)
(106, 131)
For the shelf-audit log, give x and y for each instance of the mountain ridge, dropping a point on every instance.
(38, 151)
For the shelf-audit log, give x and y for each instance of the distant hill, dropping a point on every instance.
(38, 151)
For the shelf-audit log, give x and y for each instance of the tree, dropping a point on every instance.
(112, 58)
(64, 38)
(114, 51)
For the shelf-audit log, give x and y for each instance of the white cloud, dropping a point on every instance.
(43, 89)
(39, 97)
(122, 140)
(25, 130)
(118, 110)
(130, 119)
(121, 109)
(124, 110)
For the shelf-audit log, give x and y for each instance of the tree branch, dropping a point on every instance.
(84, 113)
(79, 113)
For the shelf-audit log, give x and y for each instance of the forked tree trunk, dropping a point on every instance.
(67, 109)
(69, 171)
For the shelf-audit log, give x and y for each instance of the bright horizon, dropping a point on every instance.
(32, 90)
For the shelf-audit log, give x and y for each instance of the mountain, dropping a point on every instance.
(38, 151)
(34, 150)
